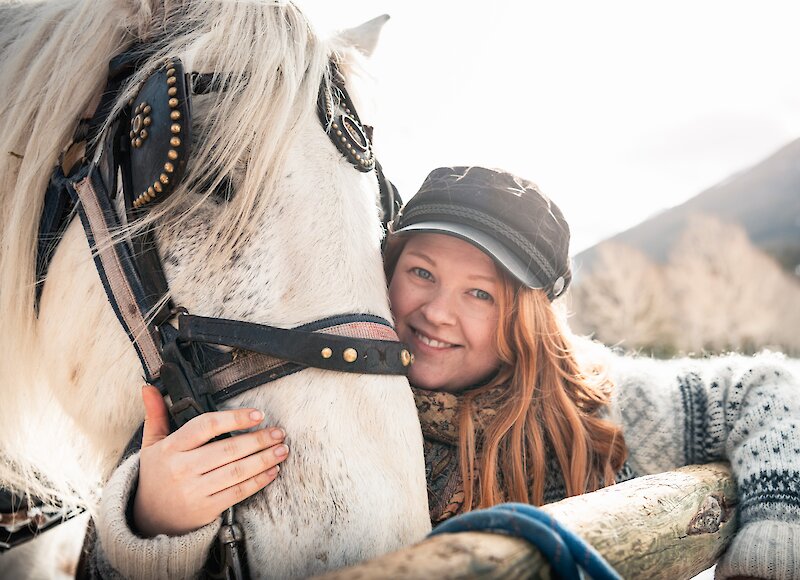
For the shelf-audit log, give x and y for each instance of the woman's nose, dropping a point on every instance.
(439, 308)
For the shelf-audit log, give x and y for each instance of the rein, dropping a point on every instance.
(149, 143)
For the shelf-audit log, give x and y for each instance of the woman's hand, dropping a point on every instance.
(185, 484)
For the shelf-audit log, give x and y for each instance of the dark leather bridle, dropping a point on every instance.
(149, 143)
(149, 140)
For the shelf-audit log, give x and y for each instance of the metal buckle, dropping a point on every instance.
(230, 543)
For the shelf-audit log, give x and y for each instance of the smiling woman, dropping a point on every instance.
(474, 261)
(443, 298)
(514, 407)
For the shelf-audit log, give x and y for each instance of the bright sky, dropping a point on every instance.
(617, 109)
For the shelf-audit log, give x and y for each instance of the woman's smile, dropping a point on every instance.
(431, 342)
(443, 300)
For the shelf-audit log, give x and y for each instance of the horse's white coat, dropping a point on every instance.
(309, 247)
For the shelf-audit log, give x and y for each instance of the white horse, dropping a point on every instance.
(299, 240)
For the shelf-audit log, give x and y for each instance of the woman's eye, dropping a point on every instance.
(422, 273)
(481, 294)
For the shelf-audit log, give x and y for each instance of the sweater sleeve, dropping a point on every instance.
(744, 410)
(120, 553)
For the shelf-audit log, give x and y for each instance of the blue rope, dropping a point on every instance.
(566, 552)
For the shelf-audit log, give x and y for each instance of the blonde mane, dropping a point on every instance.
(58, 54)
(295, 238)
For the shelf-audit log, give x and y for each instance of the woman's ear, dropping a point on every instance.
(365, 36)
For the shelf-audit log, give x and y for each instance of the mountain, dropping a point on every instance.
(764, 199)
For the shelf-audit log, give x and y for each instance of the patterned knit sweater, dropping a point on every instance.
(741, 409)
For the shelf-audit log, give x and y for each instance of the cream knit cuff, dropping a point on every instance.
(148, 558)
(763, 549)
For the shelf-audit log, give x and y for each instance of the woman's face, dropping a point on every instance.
(443, 295)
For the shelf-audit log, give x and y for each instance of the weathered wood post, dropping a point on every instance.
(667, 526)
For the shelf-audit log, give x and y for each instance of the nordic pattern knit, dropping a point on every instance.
(742, 409)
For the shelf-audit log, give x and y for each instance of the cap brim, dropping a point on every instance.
(484, 242)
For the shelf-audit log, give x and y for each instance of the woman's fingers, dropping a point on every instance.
(225, 451)
(203, 480)
(232, 495)
(207, 426)
(237, 472)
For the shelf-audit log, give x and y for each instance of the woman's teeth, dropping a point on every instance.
(432, 342)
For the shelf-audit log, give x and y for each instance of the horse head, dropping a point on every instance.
(270, 222)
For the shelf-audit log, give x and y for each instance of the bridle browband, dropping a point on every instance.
(148, 142)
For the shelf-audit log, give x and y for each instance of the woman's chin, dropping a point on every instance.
(432, 383)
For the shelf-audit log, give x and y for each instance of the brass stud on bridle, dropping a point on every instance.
(141, 119)
(346, 131)
(406, 358)
(326, 352)
(350, 355)
(139, 133)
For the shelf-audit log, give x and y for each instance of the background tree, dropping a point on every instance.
(717, 293)
(727, 294)
(624, 300)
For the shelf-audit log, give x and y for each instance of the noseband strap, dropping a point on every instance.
(354, 343)
(326, 351)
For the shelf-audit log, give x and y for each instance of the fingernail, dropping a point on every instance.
(281, 450)
(273, 470)
(277, 433)
(256, 415)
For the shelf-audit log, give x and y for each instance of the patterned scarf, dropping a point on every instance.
(438, 415)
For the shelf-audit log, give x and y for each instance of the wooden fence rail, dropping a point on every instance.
(667, 526)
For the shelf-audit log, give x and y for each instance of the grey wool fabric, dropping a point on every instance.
(119, 553)
(740, 409)
(745, 410)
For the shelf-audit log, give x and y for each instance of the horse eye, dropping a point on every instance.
(224, 190)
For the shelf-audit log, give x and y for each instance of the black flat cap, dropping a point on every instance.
(505, 216)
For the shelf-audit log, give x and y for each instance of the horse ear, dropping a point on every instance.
(365, 36)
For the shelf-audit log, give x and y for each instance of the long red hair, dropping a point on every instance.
(548, 406)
